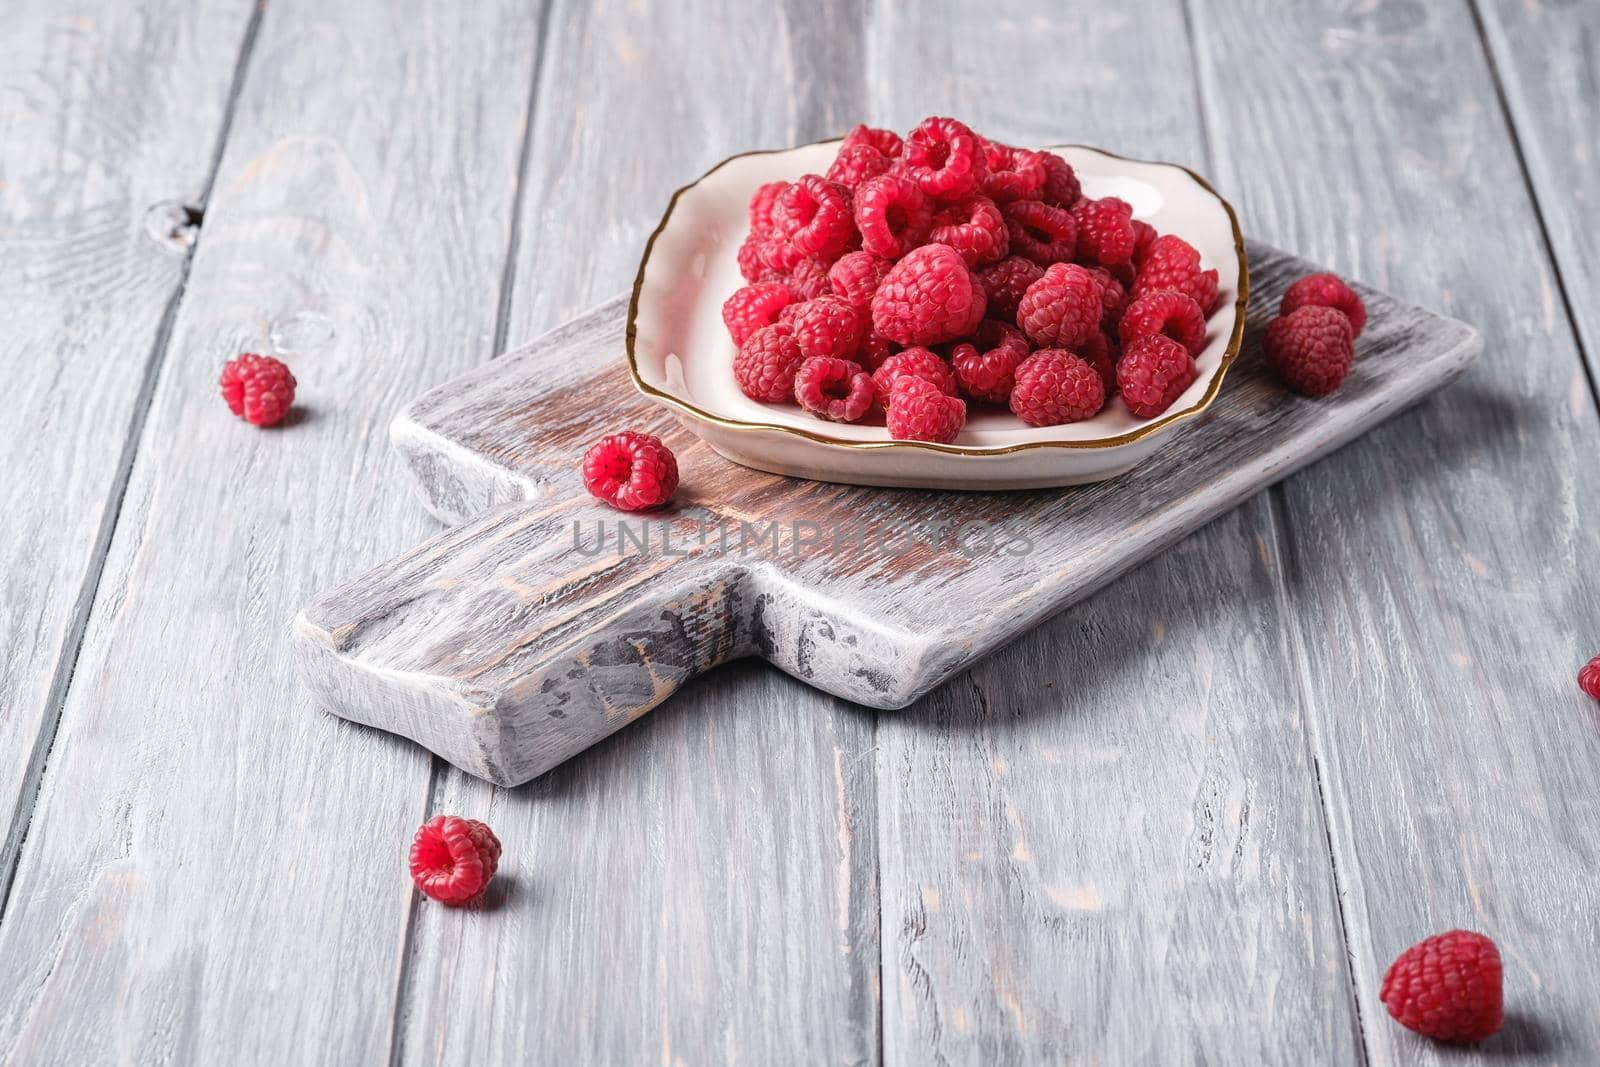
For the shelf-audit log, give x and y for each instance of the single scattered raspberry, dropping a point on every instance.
(857, 163)
(1099, 353)
(631, 471)
(1062, 308)
(876, 351)
(829, 326)
(857, 275)
(1005, 282)
(1040, 232)
(887, 142)
(1013, 173)
(972, 227)
(761, 204)
(815, 216)
(1447, 987)
(1329, 291)
(809, 279)
(986, 370)
(945, 159)
(753, 307)
(1311, 349)
(1054, 386)
(929, 296)
(1105, 231)
(1061, 188)
(834, 389)
(1173, 263)
(1589, 678)
(912, 363)
(919, 411)
(452, 859)
(1152, 373)
(1168, 312)
(258, 389)
(1144, 235)
(892, 214)
(1113, 296)
(766, 362)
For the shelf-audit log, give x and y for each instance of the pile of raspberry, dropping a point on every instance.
(921, 275)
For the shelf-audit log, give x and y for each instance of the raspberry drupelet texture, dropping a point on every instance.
(1053, 386)
(765, 364)
(815, 216)
(1062, 309)
(829, 326)
(857, 275)
(1105, 231)
(893, 215)
(929, 296)
(809, 279)
(1172, 263)
(945, 159)
(1040, 232)
(857, 163)
(631, 471)
(1164, 311)
(1447, 987)
(985, 370)
(753, 307)
(1311, 349)
(761, 203)
(876, 351)
(1099, 353)
(912, 363)
(1113, 297)
(1005, 282)
(452, 859)
(887, 142)
(1589, 678)
(920, 411)
(1144, 235)
(1329, 291)
(834, 389)
(1061, 188)
(258, 389)
(1152, 373)
(972, 227)
(1013, 173)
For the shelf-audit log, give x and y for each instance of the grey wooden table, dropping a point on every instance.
(1189, 821)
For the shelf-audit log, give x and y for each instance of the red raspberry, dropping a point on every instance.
(1005, 282)
(1325, 290)
(912, 363)
(1447, 987)
(876, 351)
(887, 142)
(919, 411)
(986, 370)
(814, 215)
(1097, 351)
(258, 389)
(857, 276)
(833, 389)
(1165, 311)
(1105, 231)
(1113, 296)
(631, 471)
(828, 326)
(1062, 308)
(766, 362)
(928, 297)
(1013, 173)
(452, 859)
(809, 279)
(1172, 263)
(945, 159)
(1040, 232)
(753, 307)
(892, 214)
(1589, 678)
(1152, 373)
(974, 228)
(1054, 386)
(1311, 349)
(1144, 235)
(857, 163)
(1061, 188)
(761, 204)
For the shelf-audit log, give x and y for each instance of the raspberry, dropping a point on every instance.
(1144, 235)
(1589, 678)
(857, 276)
(1311, 349)
(857, 163)
(632, 471)
(876, 351)
(1325, 290)
(753, 307)
(985, 370)
(828, 326)
(814, 215)
(1097, 352)
(1113, 296)
(1168, 312)
(887, 142)
(974, 228)
(1061, 188)
(1152, 373)
(1013, 173)
(452, 859)
(1040, 232)
(761, 203)
(1172, 263)
(945, 159)
(833, 389)
(912, 363)
(766, 362)
(892, 214)
(919, 411)
(1062, 308)
(928, 297)
(1105, 231)
(1005, 282)
(1054, 386)
(258, 389)
(1447, 987)
(809, 279)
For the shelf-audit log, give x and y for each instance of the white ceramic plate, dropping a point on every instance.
(680, 353)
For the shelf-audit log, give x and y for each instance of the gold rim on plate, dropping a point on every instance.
(1234, 341)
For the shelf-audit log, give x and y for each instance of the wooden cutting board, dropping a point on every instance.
(544, 621)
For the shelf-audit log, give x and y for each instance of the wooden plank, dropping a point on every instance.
(1104, 843)
(699, 889)
(216, 872)
(109, 118)
(1440, 571)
